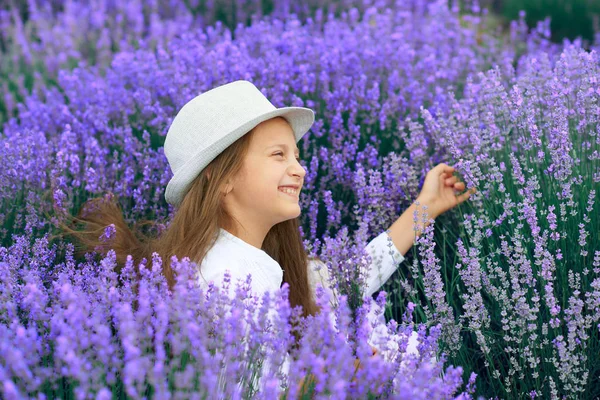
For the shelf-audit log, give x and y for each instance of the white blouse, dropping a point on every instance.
(241, 258)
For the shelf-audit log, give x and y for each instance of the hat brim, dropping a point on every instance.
(299, 118)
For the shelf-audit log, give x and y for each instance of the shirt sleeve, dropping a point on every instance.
(385, 258)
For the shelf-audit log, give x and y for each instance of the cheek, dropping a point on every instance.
(261, 180)
(261, 186)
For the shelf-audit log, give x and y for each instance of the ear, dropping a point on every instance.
(227, 188)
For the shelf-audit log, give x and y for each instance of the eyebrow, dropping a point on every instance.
(285, 146)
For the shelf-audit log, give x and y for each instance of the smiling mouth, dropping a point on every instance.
(289, 191)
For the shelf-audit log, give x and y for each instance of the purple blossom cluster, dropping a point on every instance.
(40, 38)
(507, 286)
(524, 283)
(69, 329)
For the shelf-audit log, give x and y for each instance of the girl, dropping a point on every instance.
(236, 184)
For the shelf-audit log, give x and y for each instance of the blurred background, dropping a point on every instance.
(569, 18)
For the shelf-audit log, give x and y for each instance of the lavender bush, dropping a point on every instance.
(508, 283)
(70, 330)
(515, 282)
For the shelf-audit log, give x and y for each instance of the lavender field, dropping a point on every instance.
(504, 290)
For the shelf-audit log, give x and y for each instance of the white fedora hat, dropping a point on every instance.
(212, 121)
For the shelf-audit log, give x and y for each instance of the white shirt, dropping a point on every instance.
(241, 258)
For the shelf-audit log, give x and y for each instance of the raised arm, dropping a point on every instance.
(386, 250)
(438, 195)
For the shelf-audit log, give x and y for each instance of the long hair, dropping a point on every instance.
(194, 228)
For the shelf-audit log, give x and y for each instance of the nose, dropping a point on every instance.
(298, 169)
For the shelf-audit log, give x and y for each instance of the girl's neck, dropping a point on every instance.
(251, 238)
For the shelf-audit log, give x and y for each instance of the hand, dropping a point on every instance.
(305, 382)
(375, 351)
(357, 364)
(439, 191)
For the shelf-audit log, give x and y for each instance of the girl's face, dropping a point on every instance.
(266, 191)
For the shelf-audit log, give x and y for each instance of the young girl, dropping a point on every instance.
(236, 184)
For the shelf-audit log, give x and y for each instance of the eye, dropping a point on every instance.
(279, 153)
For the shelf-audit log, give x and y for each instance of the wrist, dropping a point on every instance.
(424, 204)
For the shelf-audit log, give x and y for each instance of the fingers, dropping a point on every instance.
(460, 186)
(466, 195)
(451, 181)
(440, 169)
(374, 349)
(444, 168)
(446, 172)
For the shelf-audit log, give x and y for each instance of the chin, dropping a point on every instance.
(292, 215)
